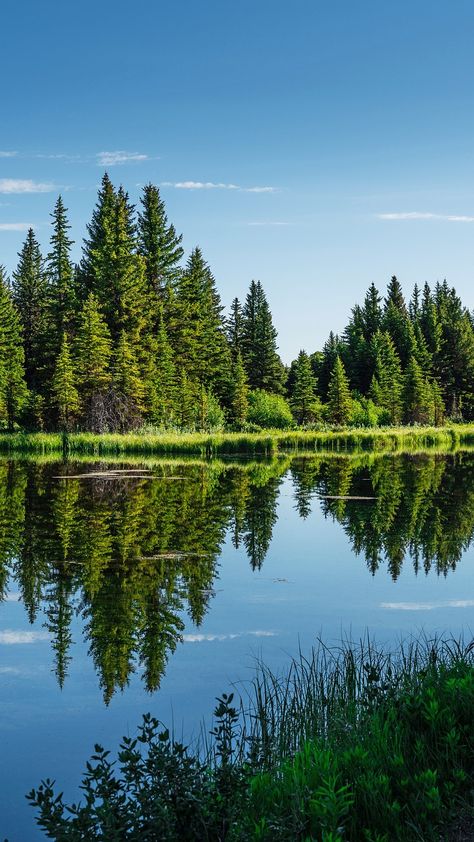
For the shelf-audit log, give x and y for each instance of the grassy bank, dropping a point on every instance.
(353, 744)
(265, 443)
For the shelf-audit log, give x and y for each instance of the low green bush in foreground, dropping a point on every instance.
(353, 744)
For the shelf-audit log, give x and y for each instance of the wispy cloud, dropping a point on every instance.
(215, 185)
(427, 606)
(444, 217)
(9, 637)
(6, 154)
(14, 596)
(25, 185)
(269, 224)
(15, 226)
(120, 156)
(204, 638)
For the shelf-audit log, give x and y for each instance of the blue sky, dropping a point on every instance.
(316, 146)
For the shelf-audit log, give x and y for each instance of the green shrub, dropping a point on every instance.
(269, 411)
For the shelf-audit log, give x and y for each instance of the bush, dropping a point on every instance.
(269, 411)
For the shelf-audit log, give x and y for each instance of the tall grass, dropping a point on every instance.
(352, 744)
(265, 443)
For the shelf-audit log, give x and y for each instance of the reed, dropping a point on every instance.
(267, 443)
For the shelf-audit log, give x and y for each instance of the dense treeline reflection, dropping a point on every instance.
(131, 549)
(421, 506)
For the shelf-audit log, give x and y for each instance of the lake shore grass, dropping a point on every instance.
(352, 743)
(266, 443)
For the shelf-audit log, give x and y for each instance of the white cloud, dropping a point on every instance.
(14, 596)
(215, 185)
(6, 154)
(418, 215)
(202, 638)
(259, 189)
(428, 606)
(15, 226)
(112, 159)
(269, 224)
(24, 185)
(9, 637)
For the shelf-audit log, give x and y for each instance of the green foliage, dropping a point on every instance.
(65, 394)
(258, 342)
(304, 402)
(29, 291)
(240, 403)
(375, 742)
(269, 411)
(339, 398)
(158, 244)
(13, 391)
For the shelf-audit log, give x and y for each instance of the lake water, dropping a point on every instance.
(153, 586)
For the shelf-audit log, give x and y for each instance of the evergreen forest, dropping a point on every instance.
(135, 337)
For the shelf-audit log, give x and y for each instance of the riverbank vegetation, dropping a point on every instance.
(269, 442)
(353, 744)
(131, 336)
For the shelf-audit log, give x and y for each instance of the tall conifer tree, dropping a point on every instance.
(65, 394)
(259, 348)
(13, 391)
(339, 396)
(30, 296)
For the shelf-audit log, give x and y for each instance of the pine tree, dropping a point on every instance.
(13, 390)
(60, 271)
(303, 402)
(259, 349)
(324, 365)
(417, 395)
(197, 329)
(234, 328)
(339, 396)
(99, 244)
(65, 394)
(240, 404)
(386, 387)
(128, 386)
(371, 313)
(186, 401)
(159, 244)
(93, 351)
(30, 295)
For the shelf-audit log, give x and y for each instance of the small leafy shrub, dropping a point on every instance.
(269, 411)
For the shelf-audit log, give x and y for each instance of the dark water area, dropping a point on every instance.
(153, 586)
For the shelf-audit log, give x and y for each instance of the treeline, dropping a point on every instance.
(394, 363)
(131, 337)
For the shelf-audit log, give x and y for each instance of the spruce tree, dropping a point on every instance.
(127, 383)
(303, 402)
(339, 396)
(417, 395)
(61, 293)
(158, 242)
(234, 328)
(197, 329)
(240, 404)
(66, 397)
(92, 351)
(386, 387)
(13, 390)
(259, 349)
(30, 296)
(98, 246)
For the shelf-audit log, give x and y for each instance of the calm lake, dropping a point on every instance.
(140, 586)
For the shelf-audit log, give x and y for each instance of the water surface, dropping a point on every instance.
(128, 587)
